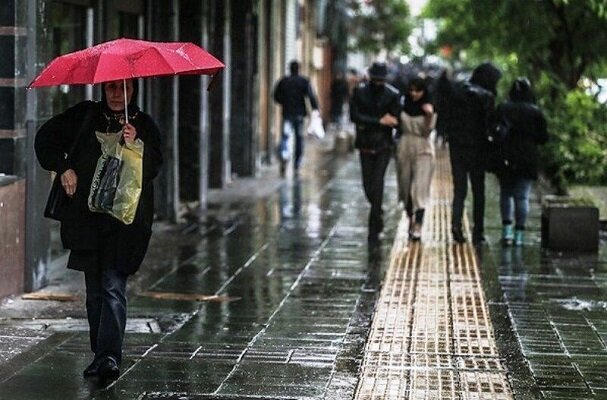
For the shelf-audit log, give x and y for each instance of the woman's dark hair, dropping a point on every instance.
(522, 91)
(417, 83)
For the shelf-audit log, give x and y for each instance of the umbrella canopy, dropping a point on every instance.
(125, 59)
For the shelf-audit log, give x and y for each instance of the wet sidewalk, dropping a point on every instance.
(432, 337)
(266, 299)
(275, 295)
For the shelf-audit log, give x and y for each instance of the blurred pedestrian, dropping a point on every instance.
(466, 109)
(415, 154)
(339, 96)
(291, 93)
(374, 108)
(353, 78)
(525, 131)
(104, 248)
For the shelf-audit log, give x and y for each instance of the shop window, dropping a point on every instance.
(68, 29)
(128, 25)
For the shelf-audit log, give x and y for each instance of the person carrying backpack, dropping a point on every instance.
(464, 111)
(520, 155)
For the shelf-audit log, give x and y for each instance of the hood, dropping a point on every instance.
(486, 75)
(522, 91)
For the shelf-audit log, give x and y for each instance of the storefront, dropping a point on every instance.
(209, 137)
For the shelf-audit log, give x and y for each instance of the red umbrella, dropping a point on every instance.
(126, 59)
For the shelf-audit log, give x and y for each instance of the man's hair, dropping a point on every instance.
(294, 67)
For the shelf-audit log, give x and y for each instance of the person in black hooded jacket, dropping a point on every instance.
(104, 248)
(520, 156)
(464, 111)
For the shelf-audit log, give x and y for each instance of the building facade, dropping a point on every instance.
(211, 135)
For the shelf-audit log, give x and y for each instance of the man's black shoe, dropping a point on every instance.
(373, 238)
(91, 370)
(478, 239)
(108, 370)
(458, 235)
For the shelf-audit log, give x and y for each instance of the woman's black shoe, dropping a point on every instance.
(91, 370)
(108, 370)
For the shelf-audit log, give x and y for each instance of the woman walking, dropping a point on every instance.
(526, 130)
(104, 248)
(415, 154)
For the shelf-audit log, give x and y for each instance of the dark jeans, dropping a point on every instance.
(292, 125)
(373, 166)
(106, 311)
(514, 199)
(466, 165)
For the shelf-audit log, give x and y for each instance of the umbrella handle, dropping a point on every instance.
(126, 105)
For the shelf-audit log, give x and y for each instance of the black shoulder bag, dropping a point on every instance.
(57, 198)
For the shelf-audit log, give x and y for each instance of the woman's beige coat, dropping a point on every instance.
(415, 160)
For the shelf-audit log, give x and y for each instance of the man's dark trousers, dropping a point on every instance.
(294, 125)
(106, 311)
(467, 163)
(374, 165)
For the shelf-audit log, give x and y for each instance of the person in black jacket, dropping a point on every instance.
(374, 108)
(104, 248)
(464, 111)
(291, 92)
(520, 153)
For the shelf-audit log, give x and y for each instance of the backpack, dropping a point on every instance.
(497, 132)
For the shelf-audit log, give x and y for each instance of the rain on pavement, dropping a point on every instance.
(299, 287)
(293, 290)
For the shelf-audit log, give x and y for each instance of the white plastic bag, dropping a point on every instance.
(315, 127)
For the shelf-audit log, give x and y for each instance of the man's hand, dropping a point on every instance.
(388, 120)
(69, 180)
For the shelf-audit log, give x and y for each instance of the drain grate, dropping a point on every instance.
(431, 335)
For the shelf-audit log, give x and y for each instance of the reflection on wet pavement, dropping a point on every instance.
(556, 306)
(431, 336)
(302, 287)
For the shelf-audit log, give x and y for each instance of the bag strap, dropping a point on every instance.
(85, 124)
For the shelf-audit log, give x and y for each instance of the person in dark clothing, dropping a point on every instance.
(464, 111)
(291, 92)
(520, 155)
(104, 248)
(339, 95)
(374, 108)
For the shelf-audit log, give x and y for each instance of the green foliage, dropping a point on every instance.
(577, 150)
(564, 38)
(561, 45)
(380, 25)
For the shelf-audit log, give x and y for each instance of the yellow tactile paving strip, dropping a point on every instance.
(431, 336)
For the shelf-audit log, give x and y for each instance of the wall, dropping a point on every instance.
(12, 236)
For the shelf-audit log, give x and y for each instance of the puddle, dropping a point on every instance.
(575, 304)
